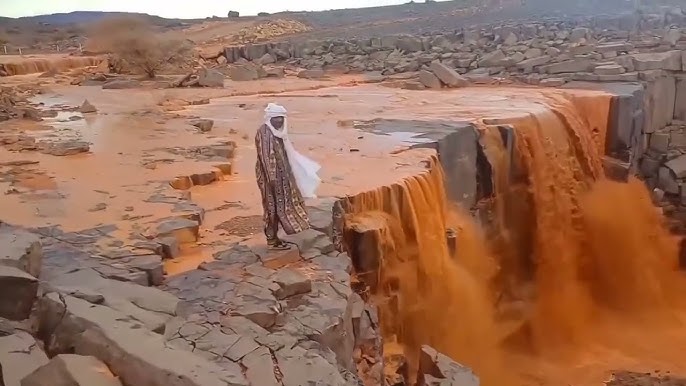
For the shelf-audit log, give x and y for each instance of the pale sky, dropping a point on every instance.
(180, 8)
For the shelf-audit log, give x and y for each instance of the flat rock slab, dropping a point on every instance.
(72, 370)
(150, 306)
(17, 294)
(136, 355)
(20, 249)
(291, 282)
(20, 355)
(183, 230)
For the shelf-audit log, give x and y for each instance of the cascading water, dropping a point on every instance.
(575, 251)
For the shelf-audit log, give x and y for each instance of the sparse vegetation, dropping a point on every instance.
(132, 41)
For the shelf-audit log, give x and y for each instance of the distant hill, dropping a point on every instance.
(85, 17)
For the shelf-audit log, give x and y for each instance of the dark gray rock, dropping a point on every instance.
(18, 293)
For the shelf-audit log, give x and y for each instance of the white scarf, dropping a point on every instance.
(304, 169)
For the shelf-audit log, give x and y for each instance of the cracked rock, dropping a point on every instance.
(19, 356)
(137, 355)
(260, 367)
(72, 370)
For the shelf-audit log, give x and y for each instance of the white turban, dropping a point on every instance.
(304, 169)
(273, 110)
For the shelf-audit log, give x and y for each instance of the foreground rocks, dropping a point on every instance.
(20, 355)
(72, 370)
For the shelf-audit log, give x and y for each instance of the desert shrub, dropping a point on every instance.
(132, 41)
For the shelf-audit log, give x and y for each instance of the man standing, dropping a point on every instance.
(284, 176)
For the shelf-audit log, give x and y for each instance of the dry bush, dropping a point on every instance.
(136, 43)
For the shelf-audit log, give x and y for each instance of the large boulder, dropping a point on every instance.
(243, 72)
(72, 370)
(447, 75)
(210, 78)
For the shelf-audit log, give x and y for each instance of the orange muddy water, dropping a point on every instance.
(580, 278)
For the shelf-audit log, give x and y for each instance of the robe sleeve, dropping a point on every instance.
(265, 152)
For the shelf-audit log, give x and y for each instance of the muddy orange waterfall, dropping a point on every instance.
(570, 248)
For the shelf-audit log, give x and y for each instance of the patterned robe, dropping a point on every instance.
(282, 202)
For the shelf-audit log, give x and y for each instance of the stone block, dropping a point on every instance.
(72, 370)
(610, 69)
(666, 180)
(206, 178)
(439, 366)
(659, 142)
(447, 75)
(243, 72)
(670, 60)
(18, 293)
(184, 230)
(529, 64)
(20, 355)
(20, 249)
(573, 65)
(429, 80)
(291, 282)
(677, 166)
(616, 170)
(661, 96)
(680, 102)
(135, 354)
(677, 140)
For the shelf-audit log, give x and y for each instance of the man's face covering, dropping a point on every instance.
(277, 122)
